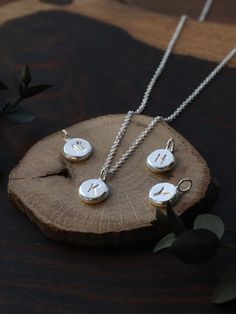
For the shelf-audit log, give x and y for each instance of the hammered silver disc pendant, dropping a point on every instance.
(162, 193)
(93, 191)
(75, 149)
(162, 160)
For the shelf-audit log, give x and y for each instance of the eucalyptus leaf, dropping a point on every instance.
(4, 106)
(175, 222)
(13, 92)
(195, 246)
(34, 90)
(165, 242)
(26, 75)
(226, 288)
(10, 80)
(10, 106)
(210, 222)
(21, 115)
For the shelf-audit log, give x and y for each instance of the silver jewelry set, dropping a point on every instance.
(94, 191)
(159, 161)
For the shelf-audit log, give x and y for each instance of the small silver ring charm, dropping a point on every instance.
(75, 149)
(170, 145)
(162, 160)
(65, 135)
(103, 175)
(187, 188)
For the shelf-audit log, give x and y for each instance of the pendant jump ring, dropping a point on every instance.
(170, 145)
(183, 190)
(65, 135)
(103, 175)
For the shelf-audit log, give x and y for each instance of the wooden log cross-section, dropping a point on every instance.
(45, 186)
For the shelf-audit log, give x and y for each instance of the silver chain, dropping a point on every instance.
(162, 64)
(201, 86)
(126, 122)
(107, 169)
(205, 10)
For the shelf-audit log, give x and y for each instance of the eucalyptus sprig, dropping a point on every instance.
(11, 109)
(198, 245)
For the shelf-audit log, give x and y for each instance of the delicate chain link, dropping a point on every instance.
(162, 64)
(205, 10)
(107, 170)
(134, 145)
(115, 145)
(198, 90)
(106, 167)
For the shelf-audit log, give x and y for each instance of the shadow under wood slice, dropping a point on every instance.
(45, 186)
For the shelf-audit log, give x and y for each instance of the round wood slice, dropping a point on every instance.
(45, 186)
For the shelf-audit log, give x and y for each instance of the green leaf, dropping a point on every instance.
(4, 106)
(226, 289)
(165, 242)
(195, 246)
(10, 106)
(175, 222)
(26, 75)
(34, 90)
(21, 115)
(210, 222)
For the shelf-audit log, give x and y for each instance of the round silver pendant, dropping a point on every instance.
(77, 149)
(161, 160)
(162, 193)
(93, 191)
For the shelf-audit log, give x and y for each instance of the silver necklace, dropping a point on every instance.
(205, 10)
(96, 190)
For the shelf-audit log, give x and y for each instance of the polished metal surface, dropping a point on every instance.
(77, 149)
(162, 193)
(93, 191)
(161, 160)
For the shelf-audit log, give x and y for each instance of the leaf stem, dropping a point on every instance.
(12, 106)
(228, 246)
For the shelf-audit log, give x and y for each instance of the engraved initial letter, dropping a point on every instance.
(78, 146)
(162, 158)
(93, 188)
(161, 192)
